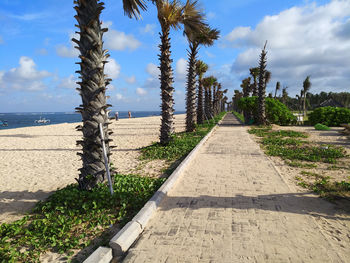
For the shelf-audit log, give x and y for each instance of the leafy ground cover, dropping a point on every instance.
(297, 152)
(323, 186)
(71, 219)
(182, 143)
(239, 116)
(321, 127)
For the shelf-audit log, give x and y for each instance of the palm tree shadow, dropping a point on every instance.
(295, 203)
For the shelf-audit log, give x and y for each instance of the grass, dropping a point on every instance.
(288, 145)
(181, 144)
(70, 218)
(321, 127)
(239, 116)
(297, 152)
(323, 186)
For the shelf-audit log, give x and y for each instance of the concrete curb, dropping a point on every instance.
(100, 255)
(123, 240)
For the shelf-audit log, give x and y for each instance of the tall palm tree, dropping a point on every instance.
(205, 37)
(201, 68)
(254, 72)
(306, 88)
(284, 95)
(262, 87)
(208, 106)
(171, 14)
(94, 108)
(246, 86)
(278, 87)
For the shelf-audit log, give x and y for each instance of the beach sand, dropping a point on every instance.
(35, 161)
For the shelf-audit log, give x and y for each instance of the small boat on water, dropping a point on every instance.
(3, 123)
(42, 121)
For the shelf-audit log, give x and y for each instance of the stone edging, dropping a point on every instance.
(123, 240)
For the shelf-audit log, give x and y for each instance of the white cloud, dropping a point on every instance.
(149, 28)
(116, 40)
(42, 51)
(306, 40)
(24, 77)
(131, 80)
(141, 91)
(68, 83)
(112, 69)
(153, 70)
(181, 69)
(119, 96)
(211, 15)
(30, 17)
(70, 51)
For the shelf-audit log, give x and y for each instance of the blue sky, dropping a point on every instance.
(37, 66)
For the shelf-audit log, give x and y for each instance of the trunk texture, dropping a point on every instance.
(92, 90)
(200, 117)
(167, 90)
(191, 89)
(262, 88)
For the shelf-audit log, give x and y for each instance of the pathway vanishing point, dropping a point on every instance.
(231, 205)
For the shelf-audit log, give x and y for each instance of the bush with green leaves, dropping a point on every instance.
(70, 218)
(321, 127)
(276, 111)
(329, 116)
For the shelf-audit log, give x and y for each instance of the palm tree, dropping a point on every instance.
(254, 72)
(205, 37)
(208, 106)
(171, 14)
(263, 75)
(278, 87)
(246, 86)
(94, 108)
(201, 68)
(284, 95)
(306, 88)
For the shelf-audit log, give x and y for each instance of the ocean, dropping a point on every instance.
(27, 119)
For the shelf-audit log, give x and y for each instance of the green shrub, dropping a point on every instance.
(329, 116)
(321, 127)
(276, 111)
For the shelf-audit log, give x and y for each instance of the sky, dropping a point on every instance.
(37, 57)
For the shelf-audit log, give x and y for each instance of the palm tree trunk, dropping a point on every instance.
(191, 89)
(262, 89)
(304, 104)
(92, 90)
(200, 116)
(167, 90)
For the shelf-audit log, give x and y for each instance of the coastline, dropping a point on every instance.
(38, 160)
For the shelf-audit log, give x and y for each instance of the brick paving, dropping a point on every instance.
(231, 205)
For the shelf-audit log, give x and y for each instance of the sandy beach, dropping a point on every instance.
(35, 161)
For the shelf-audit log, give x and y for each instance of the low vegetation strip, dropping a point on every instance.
(239, 116)
(297, 152)
(71, 219)
(182, 143)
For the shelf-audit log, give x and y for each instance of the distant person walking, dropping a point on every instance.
(129, 114)
(116, 115)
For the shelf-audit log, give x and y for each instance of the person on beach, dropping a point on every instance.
(129, 114)
(116, 115)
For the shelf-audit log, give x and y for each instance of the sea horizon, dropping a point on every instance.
(29, 119)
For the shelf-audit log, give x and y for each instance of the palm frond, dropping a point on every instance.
(201, 67)
(132, 8)
(192, 17)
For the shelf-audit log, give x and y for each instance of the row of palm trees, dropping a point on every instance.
(172, 14)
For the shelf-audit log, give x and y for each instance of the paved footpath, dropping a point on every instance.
(231, 205)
